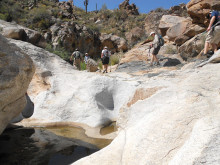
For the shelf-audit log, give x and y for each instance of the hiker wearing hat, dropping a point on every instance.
(77, 58)
(105, 58)
(86, 58)
(156, 46)
(213, 35)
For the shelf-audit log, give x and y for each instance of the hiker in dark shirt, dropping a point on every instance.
(213, 35)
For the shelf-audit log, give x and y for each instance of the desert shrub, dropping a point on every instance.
(83, 65)
(10, 10)
(99, 62)
(94, 28)
(40, 18)
(114, 59)
(60, 51)
(104, 7)
(170, 50)
(160, 9)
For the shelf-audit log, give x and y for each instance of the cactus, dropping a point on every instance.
(86, 2)
(71, 2)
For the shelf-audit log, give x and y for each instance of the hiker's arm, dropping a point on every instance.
(71, 57)
(102, 54)
(146, 41)
(211, 23)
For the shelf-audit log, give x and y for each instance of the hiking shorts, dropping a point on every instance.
(156, 50)
(105, 60)
(213, 36)
(77, 63)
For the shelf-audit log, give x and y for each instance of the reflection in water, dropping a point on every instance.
(53, 146)
(78, 133)
(109, 129)
(66, 159)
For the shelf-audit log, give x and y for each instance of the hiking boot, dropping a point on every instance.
(151, 64)
(158, 64)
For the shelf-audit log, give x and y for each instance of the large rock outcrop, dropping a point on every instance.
(14, 31)
(130, 9)
(165, 118)
(199, 9)
(175, 121)
(191, 48)
(16, 71)
(168, 21)
(63, 94)
(152, 20)
(113, 42)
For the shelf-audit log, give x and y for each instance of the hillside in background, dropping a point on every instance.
(43, 14)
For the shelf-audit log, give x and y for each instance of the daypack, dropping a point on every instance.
(105, 53)
(161, 40)
(77, 55)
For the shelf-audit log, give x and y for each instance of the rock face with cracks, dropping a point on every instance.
(170, 118)
(16, 71)
(178, 123)
(62, 94)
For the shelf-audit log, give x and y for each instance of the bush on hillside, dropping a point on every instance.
(10, 10)
(60, 51)
(40, 18)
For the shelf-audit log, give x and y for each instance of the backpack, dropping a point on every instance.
(161, 40)
(77, 55)
(105, 53)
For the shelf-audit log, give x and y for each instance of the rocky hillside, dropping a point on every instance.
(62, 27)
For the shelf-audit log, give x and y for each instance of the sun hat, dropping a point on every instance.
(152, 33)
(105, 47)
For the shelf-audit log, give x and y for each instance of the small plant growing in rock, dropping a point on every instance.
(170, 50)
(83, 65)
(114, 59)
(99, 62)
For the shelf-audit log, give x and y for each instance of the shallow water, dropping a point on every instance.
(52, 145)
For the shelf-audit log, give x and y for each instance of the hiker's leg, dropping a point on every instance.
(156, 59)
(214, 47)
(152, 60)
(216, 38)
(209, 39)
(106, 68)
(206, 48)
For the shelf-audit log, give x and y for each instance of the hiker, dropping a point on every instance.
(213, 35)
(156, 46)
(105, 58)
(86, 58)
(77, 58)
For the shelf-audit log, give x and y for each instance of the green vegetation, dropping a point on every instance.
(43, 14)
(83, 65)
(40, 18)
(115, 59)
(59, 51)
(99, 62)
(170, 50)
